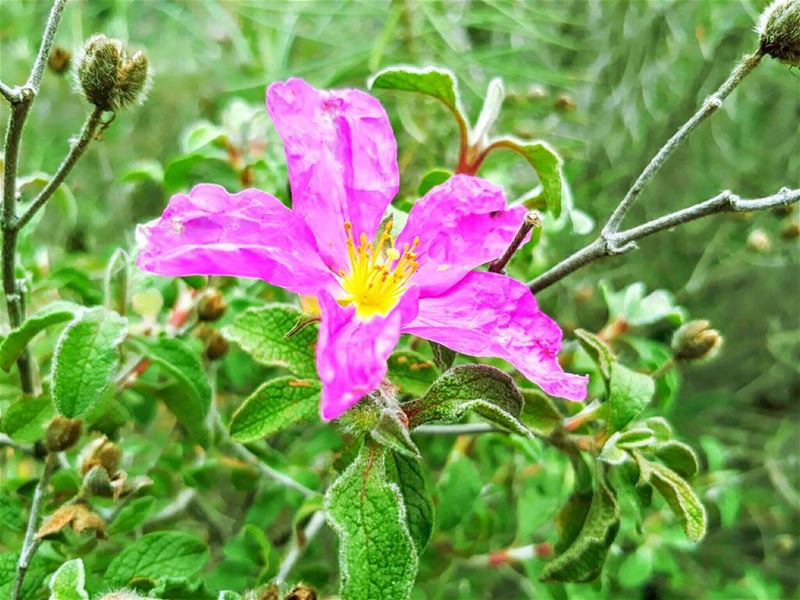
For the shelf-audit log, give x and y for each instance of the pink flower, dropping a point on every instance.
(370, 287)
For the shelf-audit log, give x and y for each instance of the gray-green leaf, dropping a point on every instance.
(85, 360)
(276, 405)
(431, 81)
(407, 474)
(377, 556)
(392, 433)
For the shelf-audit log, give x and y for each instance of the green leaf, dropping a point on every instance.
(600, 352)
(637, 568)
(431, 81)
(631, 305)
(678, 494)
(392, 433)
(25, 419)
(488, 391)
(457, 489)
(116, 282)
(68, 582)
(157, 555)
(629, 392)
(539, 413)
(442, 356)
(547, 164)
(274, 406)
(133, 515)
(407, 474)
(85, 360)
(16, 341)
(636, 437)
(611, 452)
(679, 457)
(12, 514)
(583, 560)
(190, 399)
(411, 372)
(145, 170)
(431, 179)
(660, 428)
(37, 571)
(377, 556)
(261, 332)
(228, 595)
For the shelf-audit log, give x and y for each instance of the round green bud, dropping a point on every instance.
(779, 31)
(695, 341)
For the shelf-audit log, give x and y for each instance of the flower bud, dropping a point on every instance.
(779, 31)
(59, 59)
(758, 241)
(108, 78)
(215, 346)
(791, 231)
(62, 433)
(301, 592)
(101, 453)
(696, 341)
(211, 305)
(565, 103)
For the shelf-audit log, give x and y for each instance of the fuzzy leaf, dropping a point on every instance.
(12, 515)
(157, 555)
(261, 332)
(377, 557)
(16, 341)
(190, 399)
(68, 582)
(411, 372)
(539, 413)
(25, 419)
(437, 83)
(442, 356)
(274, 406)
(392, 433)
(600, 352)
(85, 360)
(457, 489)
(486, 390)
(629, 392)
(133, 515)
(679, 457)
(407, 474)
(584, 559)
(636, 437)
(547, 164)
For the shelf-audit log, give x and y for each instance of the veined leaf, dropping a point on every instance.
(25, 419)
(539, 412)
(85, 360)
(12, 346)
(377, 556)
(411, 372)
(157, 555)
(261, 332)
(68, 582)
(407, 474)
(276, 405)
(679, 457)
(600, 352)
(391, 432)
(628, 393)
(431, 81)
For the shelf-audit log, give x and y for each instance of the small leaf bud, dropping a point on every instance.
(215, 346)
(791, 231)
(301, 592)
(62, 433)
(565, 103)
(101, 453)
(59, 59)
(211, 305)
(758, 241)
(779, 31)
(108, 78)
(696, 341)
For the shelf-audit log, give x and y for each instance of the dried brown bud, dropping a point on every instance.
(301, 592)
(101, 453)
(62, 433)
(77, 516)
(108, 78)
(215, 346)
(779, 31)
(565, 103)
(59, 58)
(791, 231)
(695, 341)
(211, 305)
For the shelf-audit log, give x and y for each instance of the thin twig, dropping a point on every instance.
(624, 241)
(531, 220)
(48, 38)
(711, 104)
(464, 429)
(258, 464)
(87, 134)
(312, 528)
(30, 544)
(8, 442)
(10, 94)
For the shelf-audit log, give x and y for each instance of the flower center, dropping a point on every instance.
(378, 274)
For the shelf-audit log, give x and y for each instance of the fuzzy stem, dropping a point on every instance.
(30, 545)
(10, 94)
(624, 241)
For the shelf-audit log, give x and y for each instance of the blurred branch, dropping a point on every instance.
(8, 442)
(315, 523)
(87, 134)
(254, 461)
(467, 428)
(711, 104)
(625, 241)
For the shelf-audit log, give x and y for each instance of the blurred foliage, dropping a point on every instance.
(606, 83)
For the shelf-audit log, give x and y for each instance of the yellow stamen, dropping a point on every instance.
(378, 275)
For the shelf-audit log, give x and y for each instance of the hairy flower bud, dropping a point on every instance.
(696, 341)
(62, 433)
(211, 305)
(101, 453)
(301, 592)
(110, 79)
(779, 31)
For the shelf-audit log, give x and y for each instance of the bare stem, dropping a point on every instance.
(532, 219)
(625, 241)
(87, 134)
(464, 429)
(312, 528)
(30, 545)
(10, 94)
(265, 469)
(711, 104)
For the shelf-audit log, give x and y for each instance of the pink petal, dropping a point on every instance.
(342, 159)
(487, 314)
(249, 234)
(461, 224)
(352, 354)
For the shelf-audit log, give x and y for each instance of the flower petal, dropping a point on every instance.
(461, 224)
(249, 234)
(352, 353)
(488, 314)
(342, 159)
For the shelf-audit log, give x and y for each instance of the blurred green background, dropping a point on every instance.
(606, 83)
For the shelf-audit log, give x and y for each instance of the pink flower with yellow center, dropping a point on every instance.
(368, 286)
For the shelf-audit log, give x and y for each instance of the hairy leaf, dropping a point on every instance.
(25, 419)
(407, 474)
(377, 556)
(68, 582)
(600, 352)
(157, 555)
(261, 332)
(12, 346)
(679, 457)
(85, 360)
(431, 81)
(539, 412)
(547, 164)
(391, 432)
(274, 406)
(411, 372)
(628, 393)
